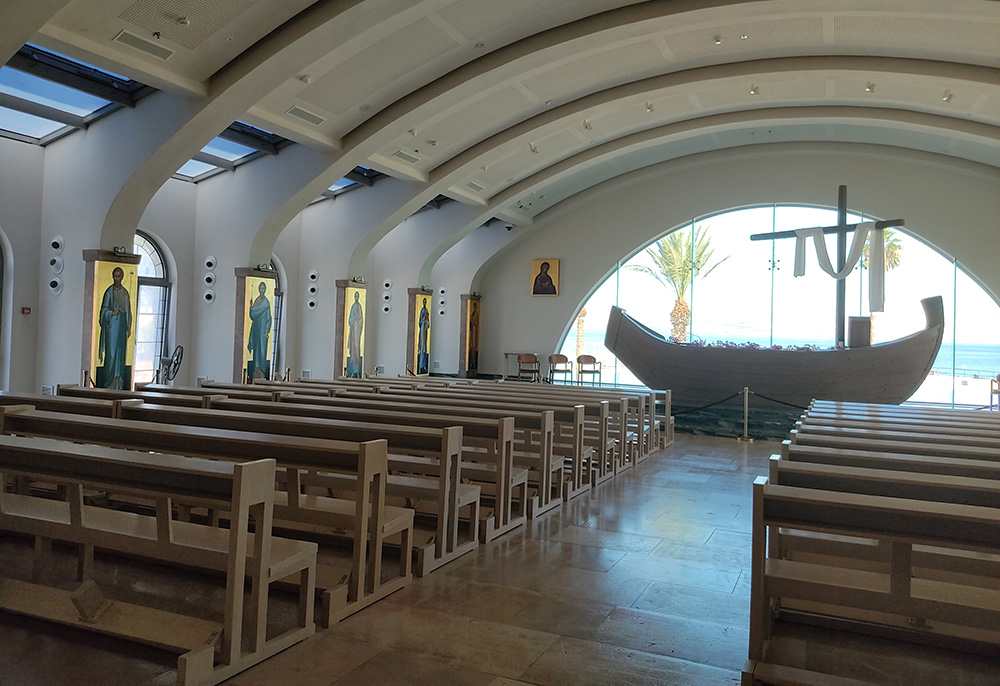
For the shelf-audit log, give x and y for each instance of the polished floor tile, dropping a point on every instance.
(643, 581)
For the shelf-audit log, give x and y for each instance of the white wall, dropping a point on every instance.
(20, 215)
(953, 205)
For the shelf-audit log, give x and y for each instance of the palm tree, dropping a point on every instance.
(676, 265)
(893, 250)
(892, 254)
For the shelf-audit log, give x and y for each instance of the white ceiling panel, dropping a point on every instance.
(969, 38)
(477, 121)
(771, 35)
(351, 82)
(186, 22)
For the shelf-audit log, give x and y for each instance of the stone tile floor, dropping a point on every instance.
(644, 581)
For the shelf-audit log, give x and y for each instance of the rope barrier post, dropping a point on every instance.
(745, 438)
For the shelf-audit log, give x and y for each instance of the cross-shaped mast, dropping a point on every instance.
(841, 230)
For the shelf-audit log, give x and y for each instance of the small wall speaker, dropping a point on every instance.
(440, 313)
(386, 308)
(210, 279)
(208, 296)
(58, 243)
(210, 262)
(311, 303)
(442, 291)
(55, 285)
(386, 296)
(441, 302)
(387, 284)
(313, 275)
(56, 264)
(313, 289)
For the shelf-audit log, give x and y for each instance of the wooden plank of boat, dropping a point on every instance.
(884, 373)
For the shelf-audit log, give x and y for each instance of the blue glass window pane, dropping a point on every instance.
(220, 147)
(342, 183)
(26, 124)
(42, 91)
(193, 169)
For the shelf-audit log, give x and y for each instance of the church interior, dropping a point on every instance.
(256, 168)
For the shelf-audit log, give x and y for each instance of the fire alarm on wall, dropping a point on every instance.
(25, 310)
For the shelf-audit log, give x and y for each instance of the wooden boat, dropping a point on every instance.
(884, 373)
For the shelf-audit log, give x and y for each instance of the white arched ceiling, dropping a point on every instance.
(489, 101)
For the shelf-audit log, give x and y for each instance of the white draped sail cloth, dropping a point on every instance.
(876, 258)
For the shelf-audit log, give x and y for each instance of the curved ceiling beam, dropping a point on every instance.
(464, 165)
(514, 61)
(232, 92)
(655, 144)
(22, 20)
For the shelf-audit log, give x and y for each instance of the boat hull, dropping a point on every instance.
(884, 373)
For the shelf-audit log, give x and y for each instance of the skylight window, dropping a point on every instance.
(26, 124)
(227, 150)
(193, 169)
(48, 93)
(342, 183)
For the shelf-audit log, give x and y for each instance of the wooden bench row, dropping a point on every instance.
(883, 520)
(366, 517)
(245, 490)
(492, 449)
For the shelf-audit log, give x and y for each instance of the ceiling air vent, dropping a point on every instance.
(138, 43)
(305, 115)
(406, 156)
(475, 187)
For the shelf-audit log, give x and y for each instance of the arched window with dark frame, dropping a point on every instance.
(152, 312)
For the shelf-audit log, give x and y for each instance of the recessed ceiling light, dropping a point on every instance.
(480, 46)
(717, 40)
(533, 148)
(947, 96)
(550, 103)
(743, 36)
(649, 107)
(364, 108)
(754, 90)
(869, 87)
(587, 125)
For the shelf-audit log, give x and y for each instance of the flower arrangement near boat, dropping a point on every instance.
(749, 345)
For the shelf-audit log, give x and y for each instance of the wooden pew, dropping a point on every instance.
(244, 489)
(921, 464)
(493, 436)
(573, 445)
(86, 393)
(654, 430)
(95, 407)
(261, 385)
(605, 429)
(952, 419)
(448, 492)
(535, 430)
(897, 598)
(244, 391)
(501, 486)
(889, 411)
(366, 515)
(844, 438)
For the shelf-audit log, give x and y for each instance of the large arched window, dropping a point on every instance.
(745, 292)
(152, 314)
